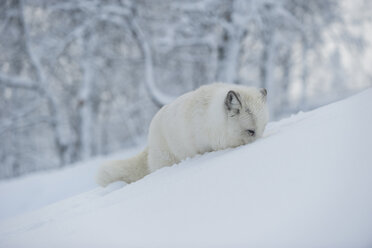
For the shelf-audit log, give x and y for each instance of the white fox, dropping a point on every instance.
(211, 118)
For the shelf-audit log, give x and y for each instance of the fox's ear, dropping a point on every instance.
(232, 102)
(263, 91)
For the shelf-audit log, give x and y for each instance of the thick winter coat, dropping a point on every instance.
(211, 118)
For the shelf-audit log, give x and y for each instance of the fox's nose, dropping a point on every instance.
(263, 91)
(250, 132)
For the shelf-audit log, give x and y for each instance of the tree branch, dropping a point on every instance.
(19, 83)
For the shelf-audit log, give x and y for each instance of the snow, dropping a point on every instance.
(37, 190)
(306, 183)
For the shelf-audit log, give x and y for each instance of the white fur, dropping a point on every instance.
(194, 123)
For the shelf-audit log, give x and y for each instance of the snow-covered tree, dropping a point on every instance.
(83, 78)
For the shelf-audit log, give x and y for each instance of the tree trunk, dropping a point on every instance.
(60, 145)
(304, 75)
(157, 96)
(267, 71)
(228, 64)
(86, 110)
(286, 69)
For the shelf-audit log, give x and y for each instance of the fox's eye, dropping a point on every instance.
(250, 132)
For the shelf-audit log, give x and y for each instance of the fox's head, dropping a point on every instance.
(246, 109)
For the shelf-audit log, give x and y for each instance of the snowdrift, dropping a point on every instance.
(307, 183)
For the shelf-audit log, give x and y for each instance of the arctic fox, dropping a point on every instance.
(213, 117)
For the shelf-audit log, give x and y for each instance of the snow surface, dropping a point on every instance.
(37, 190)
(307, 183)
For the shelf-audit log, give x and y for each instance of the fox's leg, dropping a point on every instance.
(159, 154)
(159, 158)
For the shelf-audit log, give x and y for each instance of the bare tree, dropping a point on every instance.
(84, 78)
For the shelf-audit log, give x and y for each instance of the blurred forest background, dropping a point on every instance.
(81, 78)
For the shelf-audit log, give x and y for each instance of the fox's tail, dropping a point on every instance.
(129, 170)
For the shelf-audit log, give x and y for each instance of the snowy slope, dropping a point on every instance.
(37, 190)
(307, 183)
